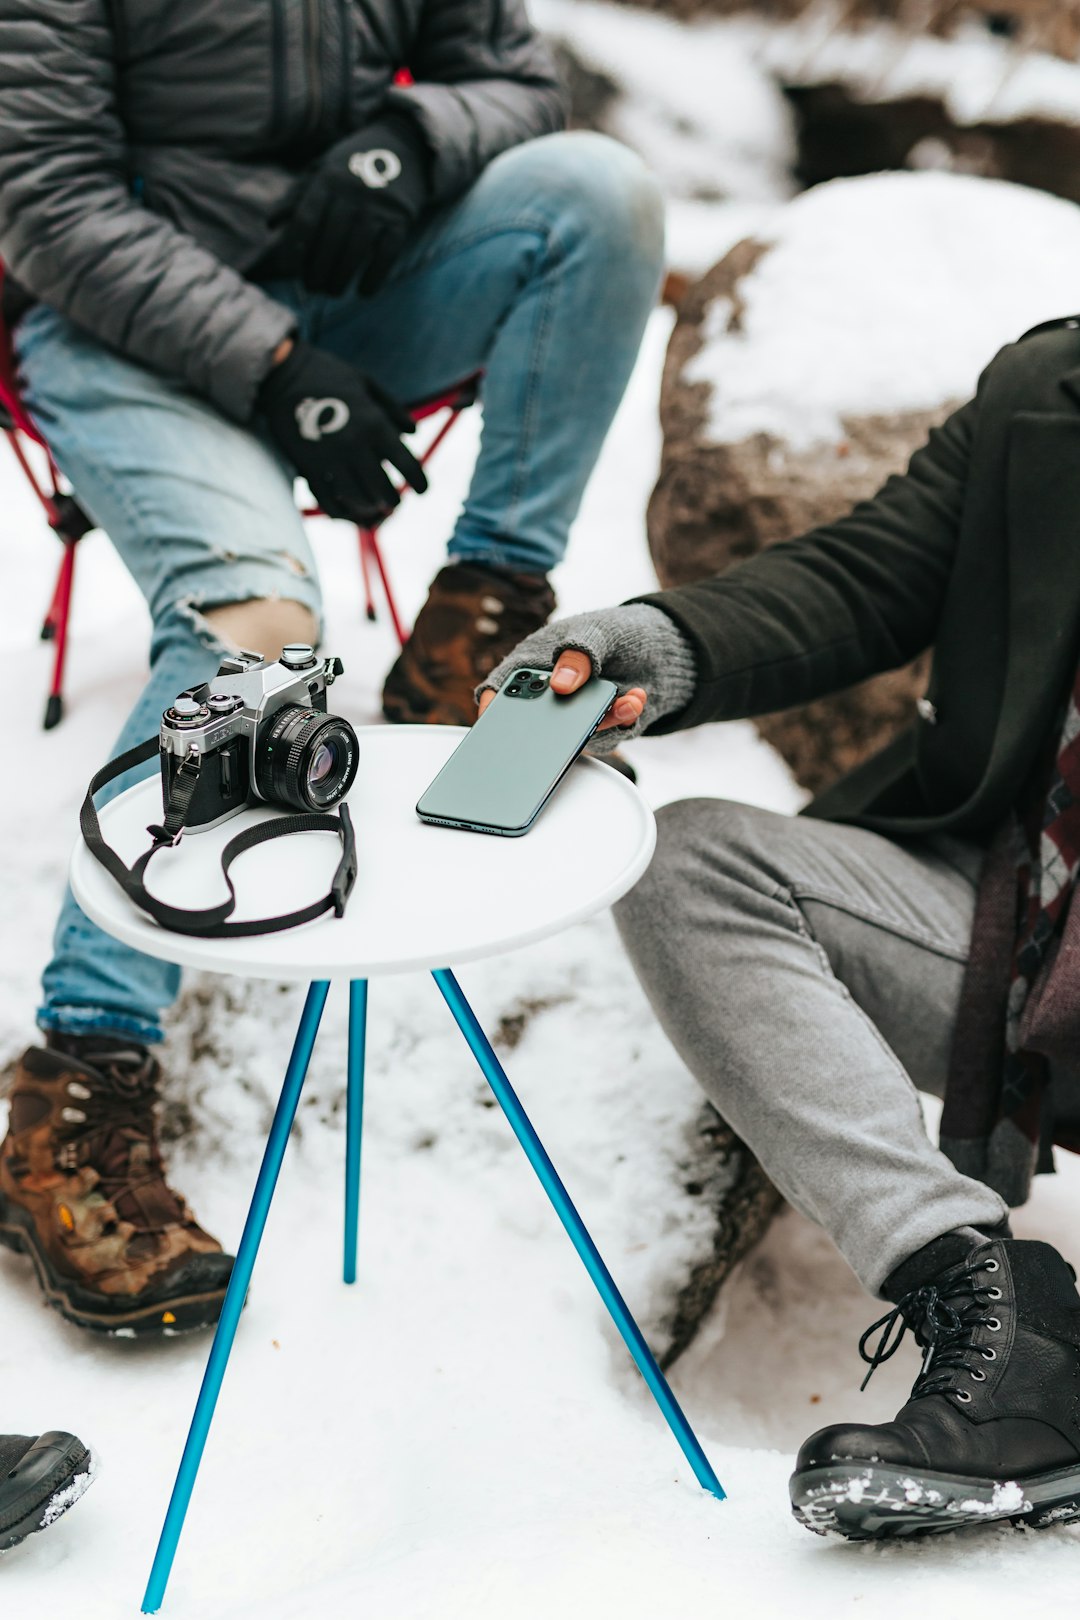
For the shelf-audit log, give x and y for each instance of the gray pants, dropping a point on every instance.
(808, 974)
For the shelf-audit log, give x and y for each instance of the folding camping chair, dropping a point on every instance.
(69, 522)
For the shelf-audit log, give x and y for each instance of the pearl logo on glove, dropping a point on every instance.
(377, 168)
(316, 418)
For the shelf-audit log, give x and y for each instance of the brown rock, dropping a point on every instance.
(715, 504)
(839, 133)
(743, 1203)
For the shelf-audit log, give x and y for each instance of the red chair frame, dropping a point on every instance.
(63, 514)
(70, 523)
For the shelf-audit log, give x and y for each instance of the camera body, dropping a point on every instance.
(260, 733)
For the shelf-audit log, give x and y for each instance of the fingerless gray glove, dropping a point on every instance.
(633, 645)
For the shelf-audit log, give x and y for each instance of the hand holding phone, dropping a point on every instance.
(505, 769)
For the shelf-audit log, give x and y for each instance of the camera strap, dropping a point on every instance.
(211, 922)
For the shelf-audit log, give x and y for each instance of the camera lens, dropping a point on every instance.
(322, 764)
(538, 684)
(304, 759)
(514, 691)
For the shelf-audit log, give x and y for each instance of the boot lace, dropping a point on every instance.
(943, 1317)
(111, 1128)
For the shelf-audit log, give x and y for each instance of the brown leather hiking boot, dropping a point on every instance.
(474, 615)
(83, 1193)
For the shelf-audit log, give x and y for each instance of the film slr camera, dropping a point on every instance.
(260, 733)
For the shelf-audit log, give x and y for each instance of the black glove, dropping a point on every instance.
(354, 212)
(337, 427)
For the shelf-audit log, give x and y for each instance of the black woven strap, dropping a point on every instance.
(211, 922)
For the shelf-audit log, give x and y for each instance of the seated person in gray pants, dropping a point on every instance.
(912, 929)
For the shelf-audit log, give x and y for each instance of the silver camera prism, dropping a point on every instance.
(260, 733)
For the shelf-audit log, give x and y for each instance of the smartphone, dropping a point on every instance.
(501, 775)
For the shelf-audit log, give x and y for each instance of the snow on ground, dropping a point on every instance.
(461, 1436)
(884, 293)
(694, 100)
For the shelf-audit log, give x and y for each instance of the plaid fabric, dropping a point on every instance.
(1020, 1006)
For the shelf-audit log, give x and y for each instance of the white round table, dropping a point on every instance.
(425, 897)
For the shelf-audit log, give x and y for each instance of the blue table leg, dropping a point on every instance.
(236, 1294)
(522, 1126)
(355, 1121)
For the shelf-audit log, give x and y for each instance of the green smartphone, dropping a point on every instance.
(501, 775)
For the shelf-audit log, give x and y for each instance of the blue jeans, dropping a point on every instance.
(542, 275)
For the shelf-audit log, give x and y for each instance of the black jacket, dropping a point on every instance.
(145, 146)
(975, 550)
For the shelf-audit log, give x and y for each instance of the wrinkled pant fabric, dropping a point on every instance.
(809, 974)
(543, 276)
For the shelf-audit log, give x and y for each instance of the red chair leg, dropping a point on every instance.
(365, 537)
(48, 624)
(58, 616)
(395, 618)
(453, 403)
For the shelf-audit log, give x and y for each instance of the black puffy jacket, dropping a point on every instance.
(145, 145)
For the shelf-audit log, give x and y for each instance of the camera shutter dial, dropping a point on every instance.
(186, 711)
(297, 656)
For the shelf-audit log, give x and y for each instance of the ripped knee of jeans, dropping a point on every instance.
(262, 624)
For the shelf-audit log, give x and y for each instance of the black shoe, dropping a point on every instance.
(39, 1480)
(992, 1428)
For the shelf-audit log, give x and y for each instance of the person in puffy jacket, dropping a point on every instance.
(239, 240)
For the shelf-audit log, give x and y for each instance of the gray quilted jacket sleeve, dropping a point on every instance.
(73, 235)
(485, 83)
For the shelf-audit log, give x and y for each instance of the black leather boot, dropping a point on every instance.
(992, 1428)
(40, 1478)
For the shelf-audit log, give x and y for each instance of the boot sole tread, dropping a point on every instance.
(190, 1313)
(866, 1501)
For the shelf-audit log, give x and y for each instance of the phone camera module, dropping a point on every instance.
(526, 683)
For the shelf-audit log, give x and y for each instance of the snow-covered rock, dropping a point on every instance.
(744, 99)
(812, 360)
(977, 87)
